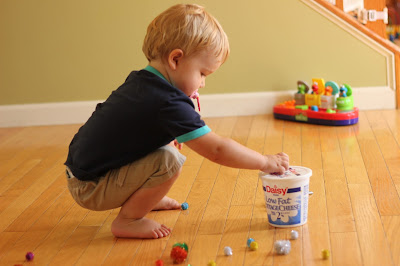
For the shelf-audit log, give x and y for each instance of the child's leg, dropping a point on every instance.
(131, 222)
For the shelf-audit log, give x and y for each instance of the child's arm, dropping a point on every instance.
(228, 152)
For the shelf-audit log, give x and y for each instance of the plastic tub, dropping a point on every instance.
(286, 196)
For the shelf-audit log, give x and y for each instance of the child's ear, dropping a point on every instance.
(174, 57)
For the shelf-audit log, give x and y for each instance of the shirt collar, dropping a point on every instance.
(155, 72)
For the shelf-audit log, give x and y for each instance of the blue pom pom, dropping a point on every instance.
(249, 241)
(184, 206)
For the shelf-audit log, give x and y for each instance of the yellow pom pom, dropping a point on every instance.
(212, 263)
(254, 245)
(325, 254)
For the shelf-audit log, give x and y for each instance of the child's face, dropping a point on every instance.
(191, 72)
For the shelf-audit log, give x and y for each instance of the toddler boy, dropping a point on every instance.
(124, 155)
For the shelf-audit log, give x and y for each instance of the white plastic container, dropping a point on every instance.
(286, 196)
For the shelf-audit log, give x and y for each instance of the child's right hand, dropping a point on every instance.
(277, 163)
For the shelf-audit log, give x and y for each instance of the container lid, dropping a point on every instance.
(294, 172)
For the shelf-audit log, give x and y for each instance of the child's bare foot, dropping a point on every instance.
(167, 203)
(138, 228)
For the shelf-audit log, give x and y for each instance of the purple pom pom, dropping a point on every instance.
(29, 256)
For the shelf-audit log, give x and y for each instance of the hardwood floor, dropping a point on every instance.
(354, 211)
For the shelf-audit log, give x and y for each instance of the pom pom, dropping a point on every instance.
(249, 241)
(282, 247)
(29, 256)
(182, 245)
(184, 206)
(178, 254)
(211, 263)
(294, 234)
(325, 254)
(159, 263)
(228, 251)
(254, 245)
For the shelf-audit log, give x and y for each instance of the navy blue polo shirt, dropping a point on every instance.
(142, 115)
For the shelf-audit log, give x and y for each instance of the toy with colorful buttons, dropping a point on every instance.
(323, 103)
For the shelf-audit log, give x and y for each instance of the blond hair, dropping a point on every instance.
(187, 27)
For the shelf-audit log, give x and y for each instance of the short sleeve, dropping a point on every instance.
(181, 120)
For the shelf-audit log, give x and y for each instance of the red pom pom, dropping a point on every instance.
(178, 254)
(159, 263)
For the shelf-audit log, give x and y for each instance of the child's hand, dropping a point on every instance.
(176, 144)
(277, 163)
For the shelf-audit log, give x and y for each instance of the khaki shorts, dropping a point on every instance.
(113, 189)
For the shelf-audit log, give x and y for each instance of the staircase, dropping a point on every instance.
(372, 32)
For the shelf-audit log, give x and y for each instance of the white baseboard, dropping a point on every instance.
(212, 105)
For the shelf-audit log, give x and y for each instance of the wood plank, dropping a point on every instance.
(391, 225)
(8, 132)
(330, 149)
(5, 201)
(388, 145)
(36, 142)
(98, 249)
(204, 249)
(74, 246)
(337, 197)
(317, 203)
(185, 229)
(311, 157)
(53, 157)
(29, 196)
(392, 118)
(235, 236)
(258, 130)
(261, 231)
(292, 142)
(95, 218)
(274, 136)
(246, 185)
(371, 235)
(353, 162)
(216, 212)
(26, 243)
(58, 236)
(315, 233)
(340, 213)
(311, 147)
(316, 238)
(385, 193)
(150, 251)
(240, 132)
(123, 251)
(7, 241)
(15, 175)
(37, 209)
(52, 216)
(345, 249)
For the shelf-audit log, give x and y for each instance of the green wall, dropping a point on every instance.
(54, 51)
